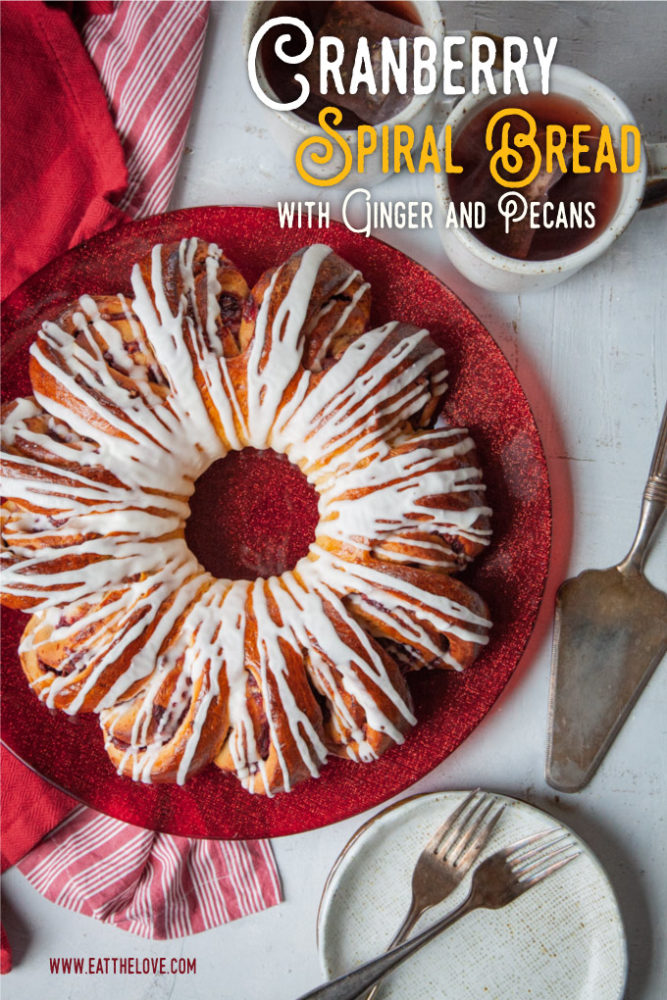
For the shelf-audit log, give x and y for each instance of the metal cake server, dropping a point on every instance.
(609, 635)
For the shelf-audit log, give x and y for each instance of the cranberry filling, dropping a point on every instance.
(253, 514)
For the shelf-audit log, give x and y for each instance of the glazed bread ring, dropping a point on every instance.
(133, 399)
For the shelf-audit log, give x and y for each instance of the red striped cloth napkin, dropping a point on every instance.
(147, 56)
(151, 884)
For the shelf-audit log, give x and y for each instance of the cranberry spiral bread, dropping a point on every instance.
(134, 398)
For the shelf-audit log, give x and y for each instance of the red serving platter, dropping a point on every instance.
(484, 396)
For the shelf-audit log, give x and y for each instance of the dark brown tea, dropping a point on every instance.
(601, 191)
(347, 21)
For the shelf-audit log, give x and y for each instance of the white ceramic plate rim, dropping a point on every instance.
(392, 815)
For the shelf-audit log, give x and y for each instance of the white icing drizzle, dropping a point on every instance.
(101, 468)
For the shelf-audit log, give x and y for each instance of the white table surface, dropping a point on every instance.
(592, 358)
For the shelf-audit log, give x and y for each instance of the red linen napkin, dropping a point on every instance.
(67, 174)
(62, 161)
(29, 808)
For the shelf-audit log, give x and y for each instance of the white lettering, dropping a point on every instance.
(482, 66)
(545, 59)
(514, 66)
(467, 214)
(331, 66)
(281, 41)
(394, 62)
(361, 215)
(425, 52)
(365, 228)
(286, 214)
(296, 214)
(362, 69)
(450, 64)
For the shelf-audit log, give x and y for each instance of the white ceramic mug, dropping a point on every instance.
(289, 130)
(496, 272)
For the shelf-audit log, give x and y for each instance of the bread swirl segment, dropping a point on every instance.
(267, 677)
(190, 299)
(350, 413)
(119, 633)
(313, 295)
(422, 503)
(336, 299)
(316, 684)
(72, 529)
(230, 681)
(176, 721)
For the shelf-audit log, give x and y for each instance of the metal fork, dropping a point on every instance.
(497, 881)
(446, 858)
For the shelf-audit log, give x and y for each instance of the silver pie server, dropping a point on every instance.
(610, 633)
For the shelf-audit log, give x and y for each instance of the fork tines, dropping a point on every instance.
(467, 828)
(541, 854)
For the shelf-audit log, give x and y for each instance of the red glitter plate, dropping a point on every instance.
(484, 396)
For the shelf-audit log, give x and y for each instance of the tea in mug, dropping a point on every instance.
(571, 209)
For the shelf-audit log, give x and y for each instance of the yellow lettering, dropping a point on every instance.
(450, 166)
(555, 144)
(385, 149)
(606, 154)
(404, 140)
(508, 154)
(429, 151)
(626, 132)
(328, 150)
(579, 147)
(367, 139)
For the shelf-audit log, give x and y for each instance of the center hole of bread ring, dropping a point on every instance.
(253, 514)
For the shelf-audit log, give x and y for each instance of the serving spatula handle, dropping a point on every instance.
(656, 485)
(654, 503)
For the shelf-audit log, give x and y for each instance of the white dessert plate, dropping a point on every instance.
(562, 940)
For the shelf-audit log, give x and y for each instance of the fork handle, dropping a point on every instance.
(354, 984)
(413, 915)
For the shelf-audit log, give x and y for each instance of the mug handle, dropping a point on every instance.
(655, 192)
